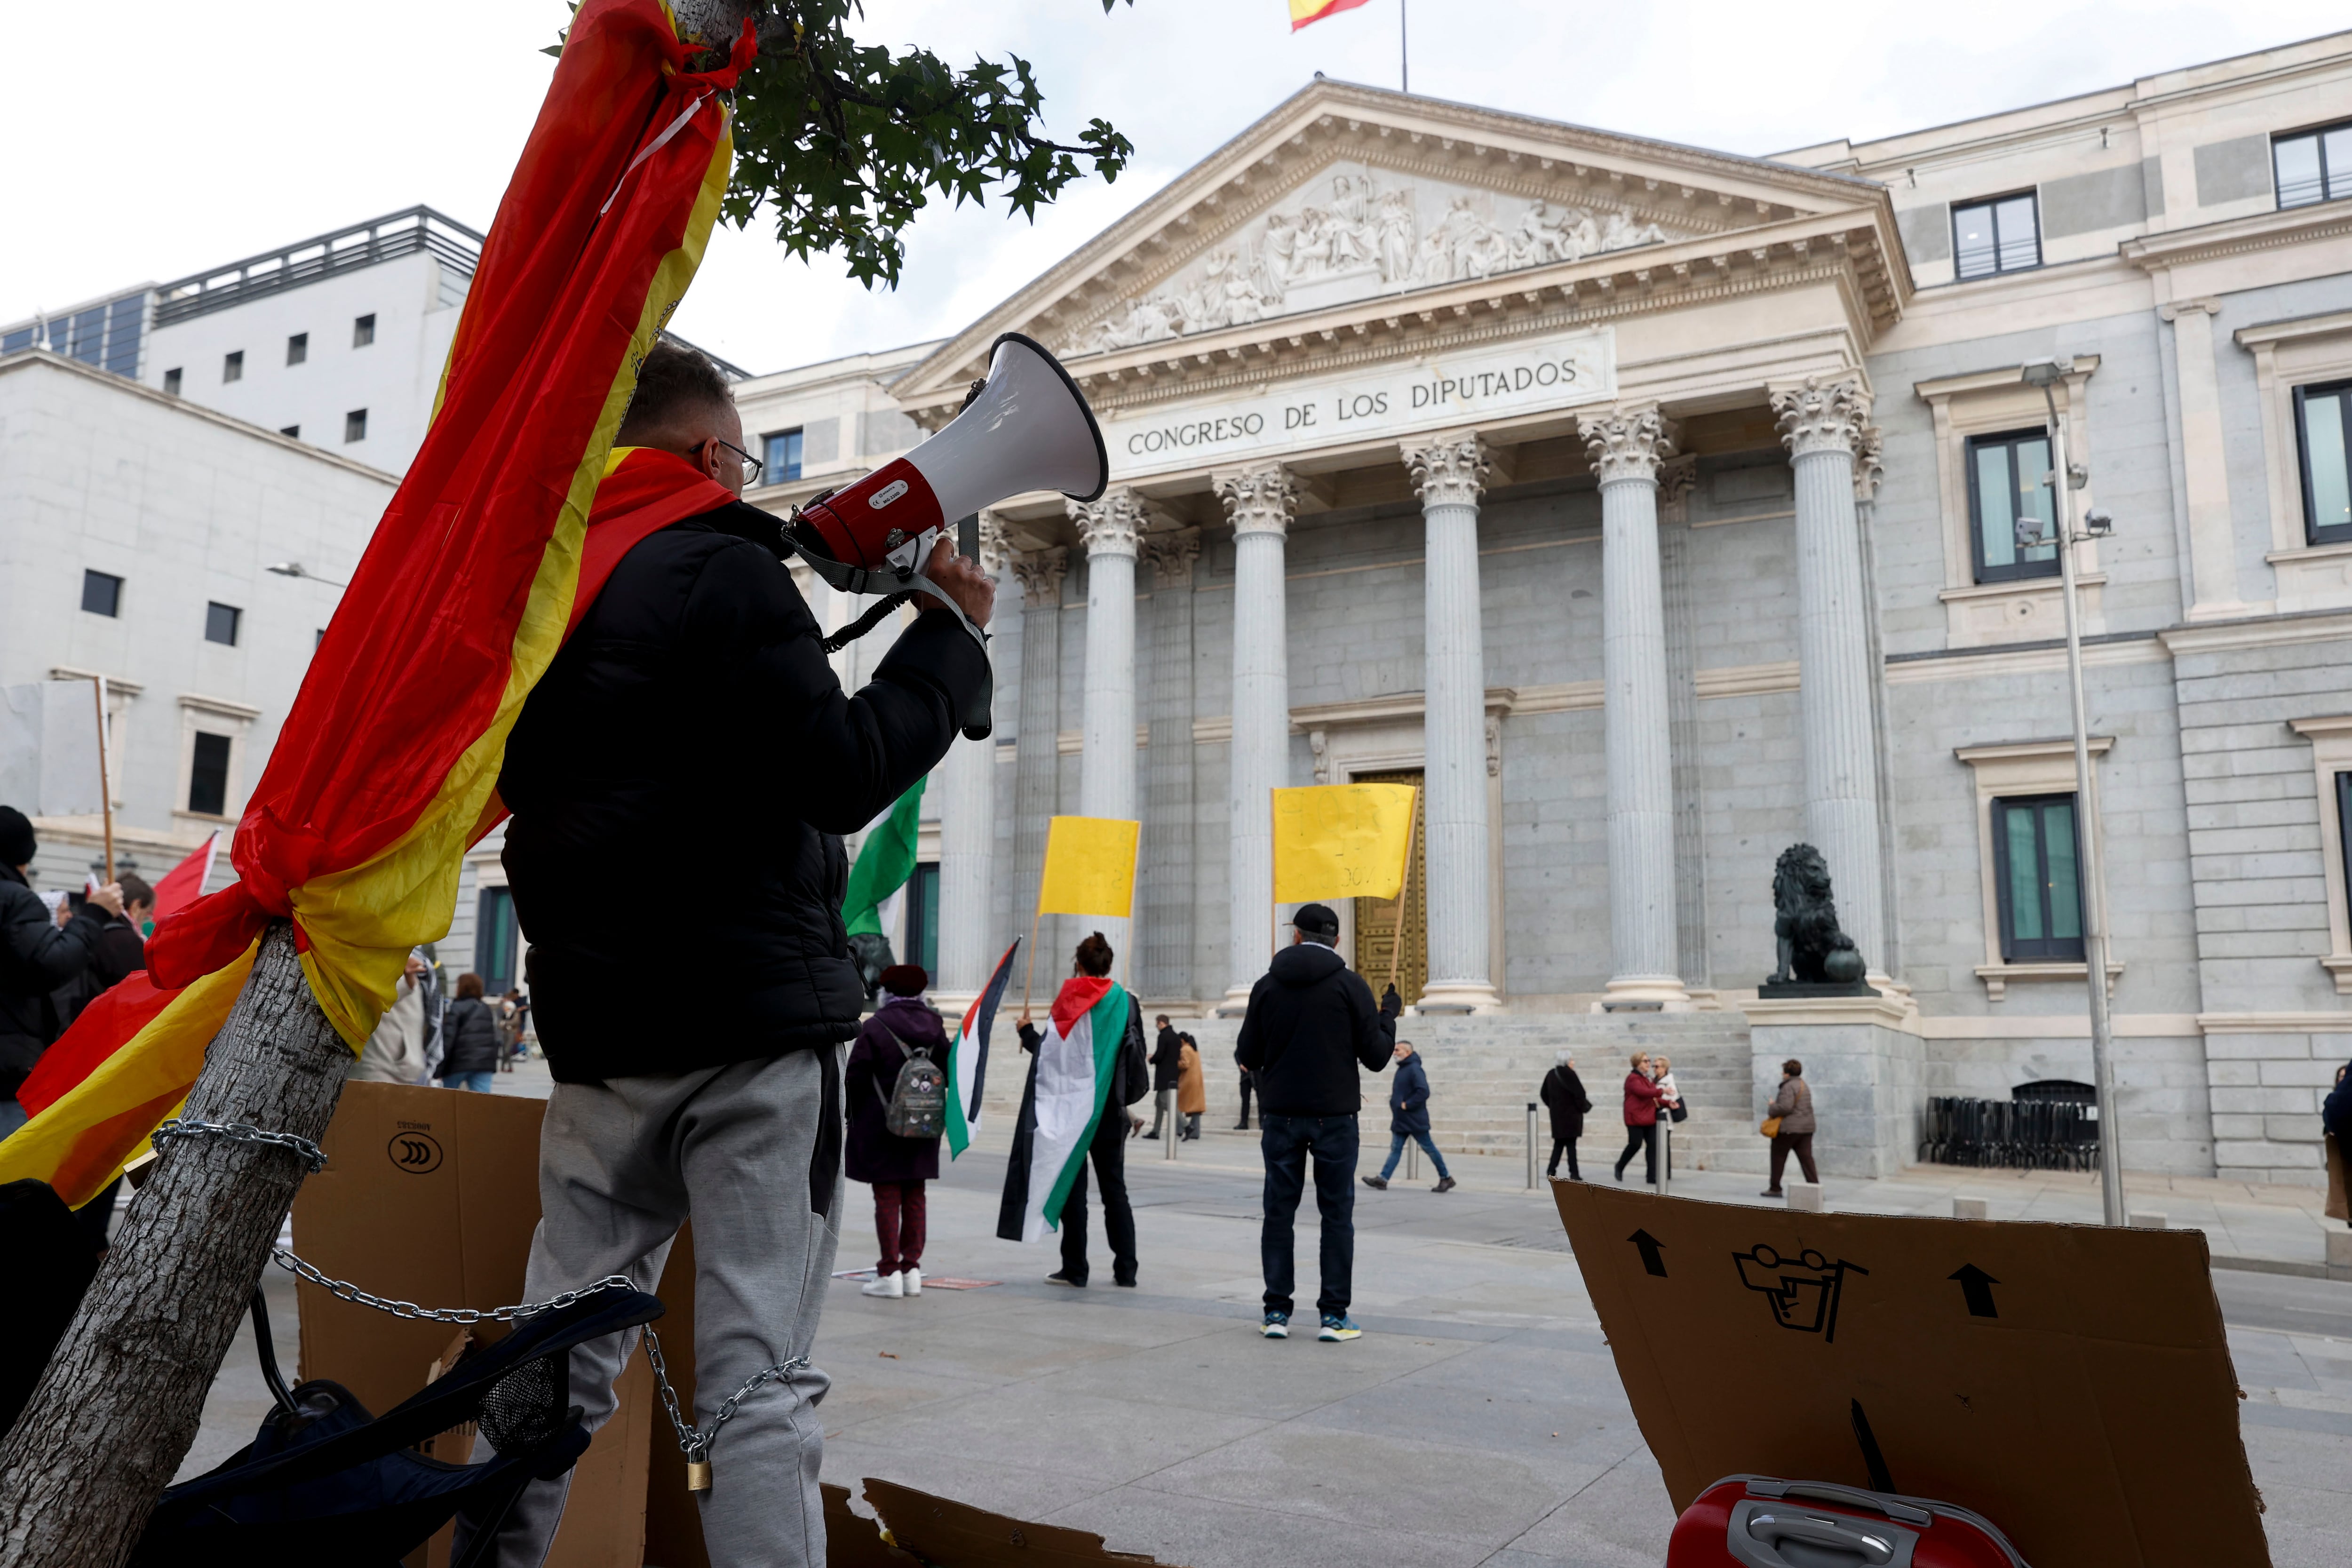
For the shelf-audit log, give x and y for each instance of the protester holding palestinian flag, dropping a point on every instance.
(1088, 1067)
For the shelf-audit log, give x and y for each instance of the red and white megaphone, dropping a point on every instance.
(1027, 427)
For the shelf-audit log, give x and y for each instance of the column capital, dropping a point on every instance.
(1039, 573)
(1112, 525)
(1822, 415)
(1676, 478)
(1449, 470)
(995, 550)
(1172, 556)
(1627, 443)
(2201, 306)
(1260, 498)
(1869, 468)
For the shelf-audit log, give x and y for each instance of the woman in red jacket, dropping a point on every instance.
(1641, 1097)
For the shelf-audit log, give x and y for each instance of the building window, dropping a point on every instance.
(355, 424)
(2009, 504)
(2035, 855)
(923, 918)
(297, 348)
(102, 593)
(782, 452)
(2001, 235)
(208, 775)
(220, 622)
(494, 939)
(172, 382)
(2312, 165)
(2322, 427)
(232, 366)
(363, 331)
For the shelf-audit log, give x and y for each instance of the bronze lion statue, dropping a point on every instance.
(1814, 951)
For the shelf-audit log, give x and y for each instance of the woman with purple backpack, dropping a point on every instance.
(897, 1166)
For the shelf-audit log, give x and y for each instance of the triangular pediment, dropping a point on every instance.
(1348, 198)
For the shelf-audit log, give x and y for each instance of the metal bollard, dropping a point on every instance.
(1411, 1159)
(1665, 1153)
(1168, 1138)
(1531, 1145)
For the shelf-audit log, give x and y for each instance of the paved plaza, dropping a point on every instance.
(1479, 1420)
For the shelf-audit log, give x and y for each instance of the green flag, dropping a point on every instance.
(884, 864)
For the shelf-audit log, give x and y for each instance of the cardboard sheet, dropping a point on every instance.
(2070, 1382)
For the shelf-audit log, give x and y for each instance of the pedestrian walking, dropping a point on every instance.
(1409, 1118)
(1564, 1098)
(1310, 1031)
(1167, 1071)
(2335, 1138)
(902, 1032)
(38, 955)
(1671, 1110)
(1073, 1115)
(1641, 1097)
(1792, 1108)
(396, 1052)
(1248, 1087)
(471, 1031)
(1192, 1087)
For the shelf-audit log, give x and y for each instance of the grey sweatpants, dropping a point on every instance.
(748, 1152)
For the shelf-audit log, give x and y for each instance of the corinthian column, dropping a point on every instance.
(967, 935)
(1626, 447)
(1258, 499)
(1449, 474)
(1825, 426)
(1109, 527)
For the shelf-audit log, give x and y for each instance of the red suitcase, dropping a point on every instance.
(1755, 1521)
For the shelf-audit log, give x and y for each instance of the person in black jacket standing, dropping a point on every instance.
(470, 1034)
(691, 719)
(1310, 1028)
(1563, 1095)
(1166, 1066)
(37, 956)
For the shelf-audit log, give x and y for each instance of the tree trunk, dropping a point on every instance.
(116, 1411)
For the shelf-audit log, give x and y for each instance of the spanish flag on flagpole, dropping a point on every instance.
(1303, 12)
(386, 767)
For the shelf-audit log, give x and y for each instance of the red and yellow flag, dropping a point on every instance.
(385, 769)
(1303, 12)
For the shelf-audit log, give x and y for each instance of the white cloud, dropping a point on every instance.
(177, 138)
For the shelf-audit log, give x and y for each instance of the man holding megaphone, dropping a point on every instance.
(691, 727)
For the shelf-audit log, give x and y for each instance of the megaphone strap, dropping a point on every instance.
(865, 623)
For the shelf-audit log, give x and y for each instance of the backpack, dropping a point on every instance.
(918, 1105)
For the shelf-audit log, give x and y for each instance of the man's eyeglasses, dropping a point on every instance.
(752, 466)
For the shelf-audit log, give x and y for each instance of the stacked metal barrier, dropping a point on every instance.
(2025, 1134)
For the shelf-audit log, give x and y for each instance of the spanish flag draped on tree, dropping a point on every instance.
(386, 769)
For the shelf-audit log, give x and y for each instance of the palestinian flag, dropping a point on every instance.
(1067, 1085)
(968, 1058)
(884, 863)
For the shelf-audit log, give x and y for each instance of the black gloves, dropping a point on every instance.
(1391, 1005)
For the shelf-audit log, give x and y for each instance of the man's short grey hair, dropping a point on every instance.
(1568, 1058)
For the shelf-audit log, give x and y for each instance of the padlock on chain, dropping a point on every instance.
(698, 1473)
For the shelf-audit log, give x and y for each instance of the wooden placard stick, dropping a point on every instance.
(1035, 916)
(1404, 890)
(105, 782)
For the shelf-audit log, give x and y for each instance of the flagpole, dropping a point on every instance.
(1404, 892)
(1404, 74)
(105, 784)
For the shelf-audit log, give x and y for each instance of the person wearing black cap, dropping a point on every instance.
(1310, 1029)
(37, 956)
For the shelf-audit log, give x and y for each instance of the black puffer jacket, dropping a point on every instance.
(470, 1037)
(35, 958)
(691, 724)
(1311, 1022)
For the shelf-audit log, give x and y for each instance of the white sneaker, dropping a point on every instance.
(914, 1279)
(890, 1285)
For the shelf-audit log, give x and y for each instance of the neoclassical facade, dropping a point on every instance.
(1655, 509)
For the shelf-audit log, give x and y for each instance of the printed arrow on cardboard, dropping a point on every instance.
(1976, 1288)
(1651, 1249)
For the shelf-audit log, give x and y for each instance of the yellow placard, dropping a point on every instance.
(1341, 841)
(1089, 866)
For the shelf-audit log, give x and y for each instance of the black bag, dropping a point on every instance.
(918, 1105)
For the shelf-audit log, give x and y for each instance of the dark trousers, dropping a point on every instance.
(1163, 1104)
(1802, 1143)
(1287, 1144)
(898, 1222)
(1109, 1154)
(1641, 1141)
(1564, 1146)
(1249, 1087)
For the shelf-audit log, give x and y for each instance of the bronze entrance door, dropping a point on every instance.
(1377, 922)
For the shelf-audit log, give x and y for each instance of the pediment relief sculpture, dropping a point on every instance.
(1356, 234)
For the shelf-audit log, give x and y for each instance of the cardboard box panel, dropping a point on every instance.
(2071, 1382)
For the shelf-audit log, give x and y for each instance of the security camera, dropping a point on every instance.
(2098, 524)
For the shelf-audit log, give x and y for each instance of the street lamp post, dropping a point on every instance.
(2046, 373)
(297, 570)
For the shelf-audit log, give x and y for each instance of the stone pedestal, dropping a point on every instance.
(1866, 1070)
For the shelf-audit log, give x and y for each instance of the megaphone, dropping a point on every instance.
(1027, 427)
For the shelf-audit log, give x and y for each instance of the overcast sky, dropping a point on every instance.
(147, 138)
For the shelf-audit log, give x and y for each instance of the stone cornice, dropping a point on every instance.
(2262, 631)
(2265, 332)
(2019, 751)
(2237, 236)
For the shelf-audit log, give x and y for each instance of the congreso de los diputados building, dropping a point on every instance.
(1655, 509)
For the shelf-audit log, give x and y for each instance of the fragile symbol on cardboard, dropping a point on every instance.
(1804, 1291)
(418, 1153)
